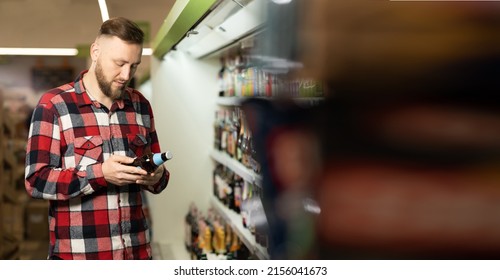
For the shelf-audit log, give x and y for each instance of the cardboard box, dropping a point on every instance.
(13, 222)
(37, 227)
(34, 250)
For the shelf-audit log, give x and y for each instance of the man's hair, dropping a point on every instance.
(122, 28)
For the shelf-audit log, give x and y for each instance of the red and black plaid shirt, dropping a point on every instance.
(71, 134)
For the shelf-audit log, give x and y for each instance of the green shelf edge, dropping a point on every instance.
(182, 17)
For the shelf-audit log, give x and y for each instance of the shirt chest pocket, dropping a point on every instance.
(138, 145)
(88, 150)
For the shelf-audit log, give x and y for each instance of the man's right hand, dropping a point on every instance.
(117, 172)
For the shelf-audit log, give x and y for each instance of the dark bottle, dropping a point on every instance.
(150, 161)
(220, 78)
(190, 219)
(229, 189)
(236, 131)
(241, 136)
(237, 193)
(217, 130)
(217, 179)
(242, 253)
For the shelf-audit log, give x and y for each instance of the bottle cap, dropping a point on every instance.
(160, 158)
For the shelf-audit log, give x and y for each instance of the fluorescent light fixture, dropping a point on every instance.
(51, 51)
(281, 2)
(104, 10)
(39, 51)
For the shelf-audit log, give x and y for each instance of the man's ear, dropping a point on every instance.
(95, 49)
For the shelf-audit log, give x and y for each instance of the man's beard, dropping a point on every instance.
(105, 86)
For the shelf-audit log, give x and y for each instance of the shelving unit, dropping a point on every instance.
(191, 96)
(237, 167)
(236, 101)
(230, 101)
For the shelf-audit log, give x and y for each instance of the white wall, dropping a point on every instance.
(146, 89)
(184, 94)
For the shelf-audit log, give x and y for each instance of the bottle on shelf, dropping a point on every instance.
(236, 131)
(231, 129)
(245, 197)
(241, 135)
(195, 250)
(238, 76)
(227, 77)
(217, 179)
(224, 130)
(206, 237)
(244, 147)
(229, 236)
(221, 77)
(219, 240)
(242, 253)
(235, 244)
(217, 130)
(150, 162)
(237, 193)
(229, 188)
(251, 154)
(190, 219)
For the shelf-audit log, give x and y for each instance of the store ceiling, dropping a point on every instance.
(69, 23)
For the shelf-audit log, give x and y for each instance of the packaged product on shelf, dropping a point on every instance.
(195, 250)
(205, 238)
(219, 237)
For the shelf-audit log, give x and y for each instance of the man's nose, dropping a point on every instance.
(125, 73)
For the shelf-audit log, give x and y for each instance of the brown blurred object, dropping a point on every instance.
(375, 209)
(409, 133)
(376, 48)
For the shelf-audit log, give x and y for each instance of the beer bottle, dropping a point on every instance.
(150, 161)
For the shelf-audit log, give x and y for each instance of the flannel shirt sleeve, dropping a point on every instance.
(45, 177)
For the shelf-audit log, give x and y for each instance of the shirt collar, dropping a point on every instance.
(85, 99)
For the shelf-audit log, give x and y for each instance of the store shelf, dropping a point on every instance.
(230, 101)
(242, 171)
(237, 222)
(237, 100)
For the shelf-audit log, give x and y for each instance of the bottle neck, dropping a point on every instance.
(160, 158)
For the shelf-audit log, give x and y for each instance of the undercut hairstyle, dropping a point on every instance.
(122, 28)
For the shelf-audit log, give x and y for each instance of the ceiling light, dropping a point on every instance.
(39, 51)
(281, 2)
(104, 10)
(51, 51)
